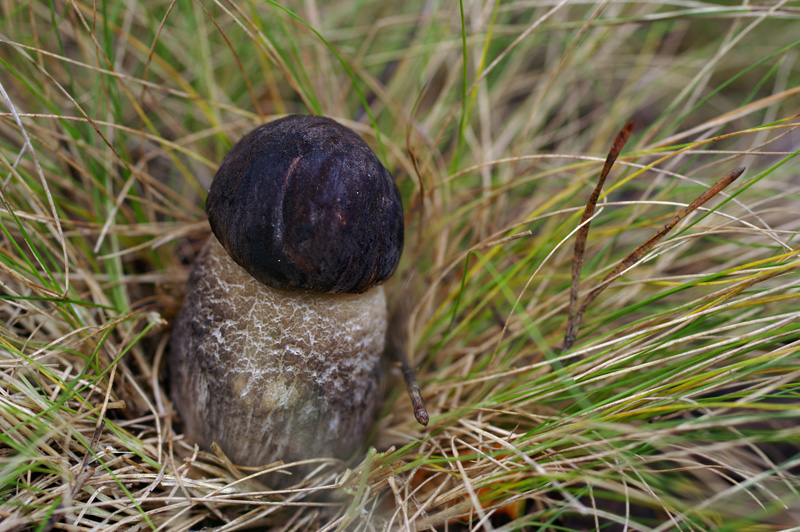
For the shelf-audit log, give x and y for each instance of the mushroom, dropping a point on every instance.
(276, 353)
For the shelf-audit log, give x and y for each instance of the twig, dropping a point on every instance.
(414, 393)
(397, 349)
(639, 252)
(573, 320)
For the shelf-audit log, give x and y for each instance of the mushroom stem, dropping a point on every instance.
(273, 374)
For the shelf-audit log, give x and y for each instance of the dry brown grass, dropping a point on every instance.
(675, 409)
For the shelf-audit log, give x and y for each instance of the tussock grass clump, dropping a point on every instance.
(675, 408)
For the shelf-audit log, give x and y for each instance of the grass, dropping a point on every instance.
(675, 408)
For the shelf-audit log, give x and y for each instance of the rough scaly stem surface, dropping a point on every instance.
(272, 374)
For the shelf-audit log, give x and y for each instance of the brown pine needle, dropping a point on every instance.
(397, 349)
(639, 252)
(414, 393)
(583, 234)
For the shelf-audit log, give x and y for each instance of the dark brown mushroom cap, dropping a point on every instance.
(302, 202)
